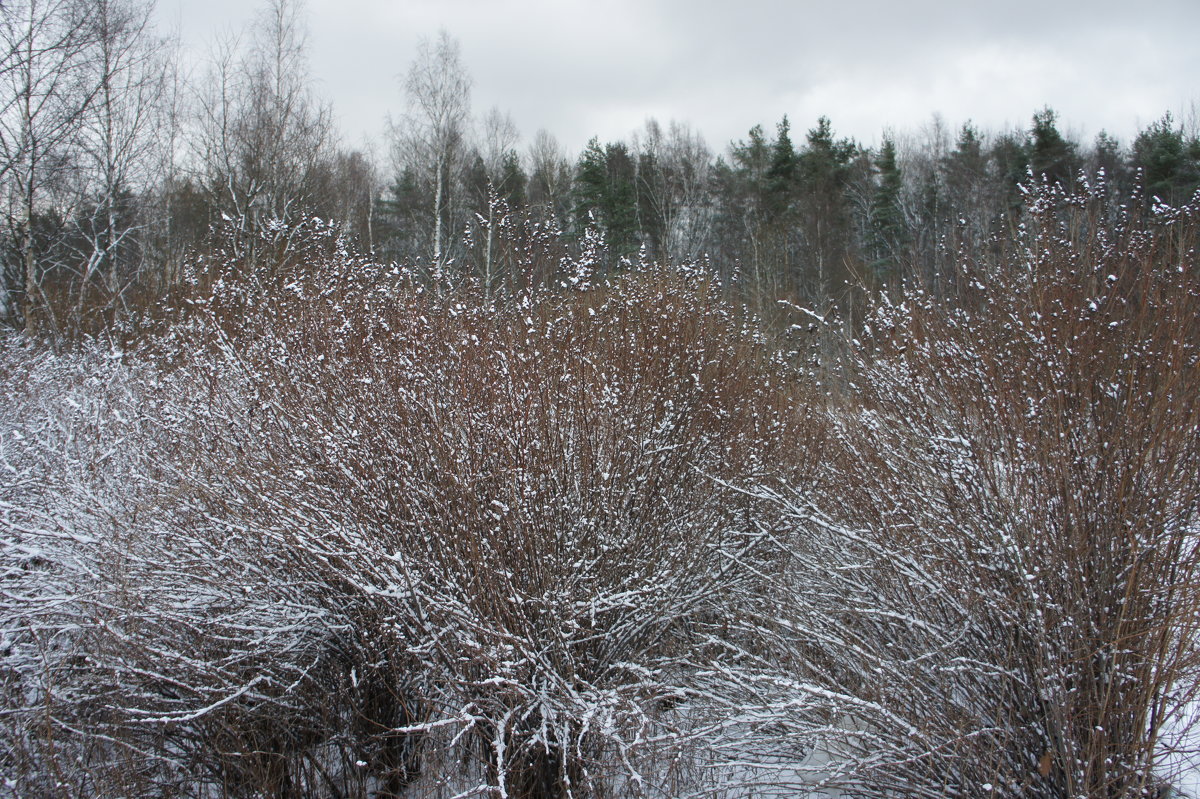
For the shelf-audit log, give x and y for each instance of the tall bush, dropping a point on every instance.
(1006, 542)
(376, 536)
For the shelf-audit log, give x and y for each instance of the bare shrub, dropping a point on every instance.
(996, 581)
(342, 532)
(516, 503)
(375, 537)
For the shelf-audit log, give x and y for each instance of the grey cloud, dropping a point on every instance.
(585, 68)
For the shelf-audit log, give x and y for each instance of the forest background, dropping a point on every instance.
(116, 165)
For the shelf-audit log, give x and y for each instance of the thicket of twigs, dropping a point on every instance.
(340, 531)
(1007, 538)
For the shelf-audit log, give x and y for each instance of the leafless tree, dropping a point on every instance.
(355, 183)
(431, 139)
(45, 46)
(549, 177)
(123, 135)
(500, 138)
(675, 182)
(264, 137)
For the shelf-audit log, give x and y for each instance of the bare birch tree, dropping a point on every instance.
(432, 135)
(45, 46)
(264, 137)
(500, 137)
(123, 134)
(549, 177)
(675, 182)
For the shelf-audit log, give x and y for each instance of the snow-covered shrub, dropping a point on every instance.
(521, 507)
(136, 642)
(343, 531)
(997, 582)
(339, 533)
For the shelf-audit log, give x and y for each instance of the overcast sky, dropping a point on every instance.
(601, 68)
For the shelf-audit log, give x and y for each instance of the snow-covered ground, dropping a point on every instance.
(1182, 765)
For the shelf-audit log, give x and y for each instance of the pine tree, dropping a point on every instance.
(888, 231)
(1170, 164)
(1051, 157)
(781, 174)
(750, 163)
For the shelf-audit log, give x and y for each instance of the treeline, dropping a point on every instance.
(116, 168)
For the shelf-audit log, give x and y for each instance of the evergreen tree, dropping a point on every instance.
(965, 168)
(746, 176)
(507, 179)
(1108, 157)
(476, 184)
(620, 211)
(589, 187)
(781, 174)
(975, 194)
(888, 231)
(824, 169)
(512, 182)
(405, 216)
(606, 189)
(750, 163)
(1009, 157)
(740, 188)
(1051, 157)
(825, 160)
(1169, 163)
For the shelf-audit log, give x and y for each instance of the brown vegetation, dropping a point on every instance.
(341, 531)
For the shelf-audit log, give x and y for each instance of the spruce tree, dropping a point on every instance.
(1051, 157)
(1169, 163)
(606, 190)
(588, 189)
(620, 210)
(405, 216)
(888, 232)
(781, 174)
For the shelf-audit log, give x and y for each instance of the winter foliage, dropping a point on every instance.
(337, 528)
